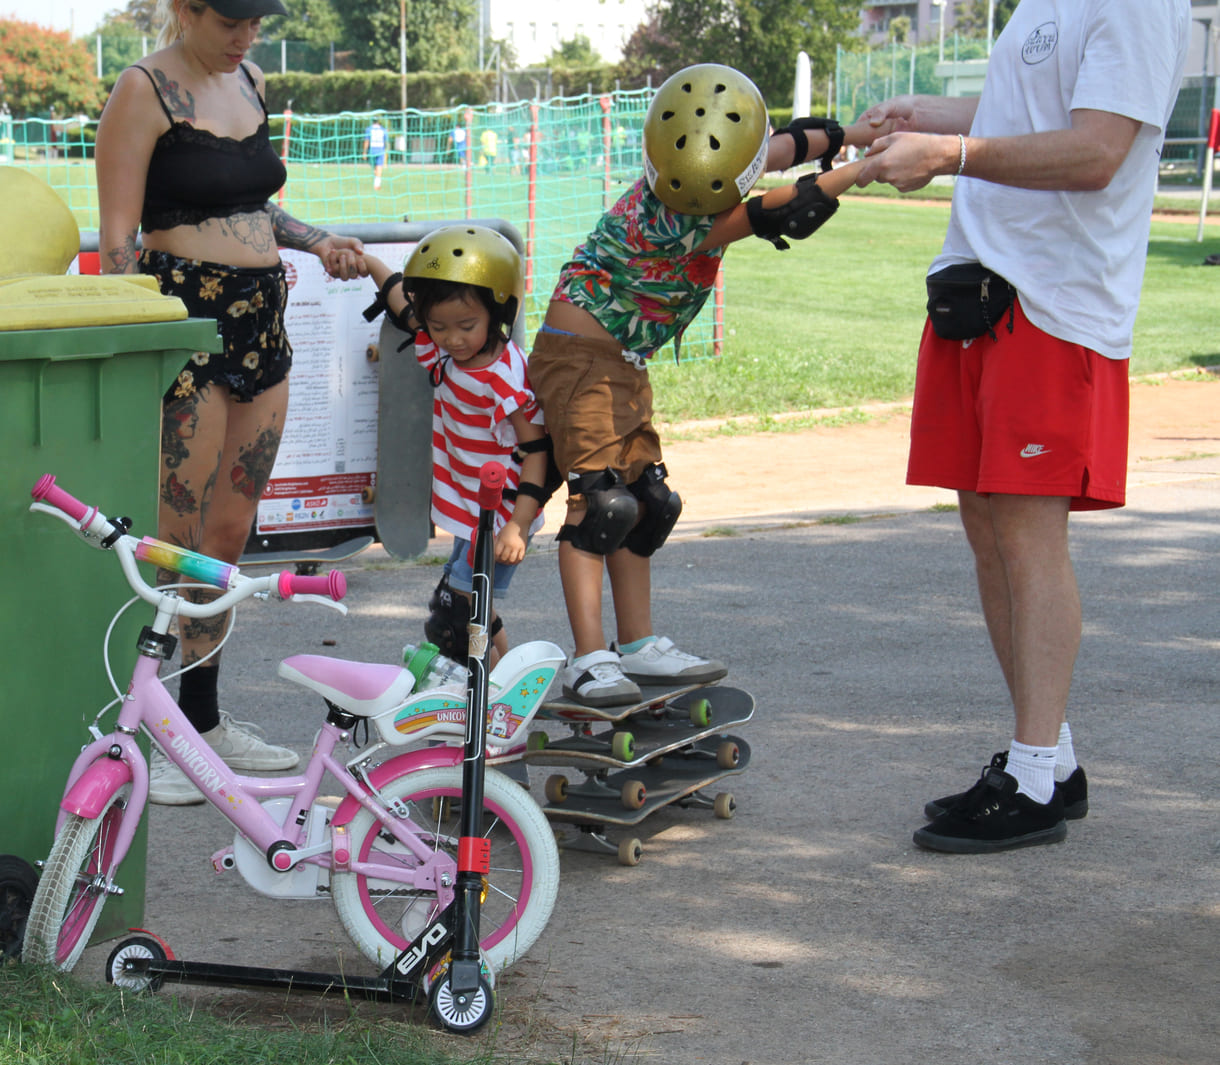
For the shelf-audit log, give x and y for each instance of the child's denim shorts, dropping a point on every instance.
(461, 574)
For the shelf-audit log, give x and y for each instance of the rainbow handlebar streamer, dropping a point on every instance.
(189, 563)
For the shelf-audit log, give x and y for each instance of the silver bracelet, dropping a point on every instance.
(961, 162)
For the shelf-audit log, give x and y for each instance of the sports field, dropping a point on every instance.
(832, 322)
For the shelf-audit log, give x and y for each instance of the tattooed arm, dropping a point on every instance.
(126, 134)
(341, 256)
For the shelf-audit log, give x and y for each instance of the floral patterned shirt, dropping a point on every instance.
(636, 272)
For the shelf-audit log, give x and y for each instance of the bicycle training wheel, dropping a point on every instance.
(73, 887)
(384, 915)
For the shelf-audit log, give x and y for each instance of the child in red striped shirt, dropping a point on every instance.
(459, 294)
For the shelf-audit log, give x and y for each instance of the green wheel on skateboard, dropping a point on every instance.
(700, 712)
(622, 747)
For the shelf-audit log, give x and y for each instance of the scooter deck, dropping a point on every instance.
(652, 697)
(600, 800)
(639, 739)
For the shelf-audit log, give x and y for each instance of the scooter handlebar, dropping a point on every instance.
(492, 477)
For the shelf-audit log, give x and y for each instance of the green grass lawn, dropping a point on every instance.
(835, 321)
(832, 322)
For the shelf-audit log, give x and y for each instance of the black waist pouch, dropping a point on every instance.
(966, 300)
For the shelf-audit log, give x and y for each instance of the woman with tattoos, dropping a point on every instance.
(184, 158)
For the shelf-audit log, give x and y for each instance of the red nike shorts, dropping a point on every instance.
(1024, 414)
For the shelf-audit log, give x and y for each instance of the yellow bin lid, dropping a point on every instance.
(61, 301)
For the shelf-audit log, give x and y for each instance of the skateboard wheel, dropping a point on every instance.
(630, 851)
(622, 747)
(633, 794)
(700, 712)
(728, 754)
(724, 806)
(556, 788)
(372, 353)
(537, 741)
(368, 494)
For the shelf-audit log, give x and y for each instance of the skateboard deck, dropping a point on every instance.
(637, 740)
(402, 495)
(308, 560)
(625, 797)
(652, 697)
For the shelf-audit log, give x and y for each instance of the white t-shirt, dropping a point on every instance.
(1076, 258)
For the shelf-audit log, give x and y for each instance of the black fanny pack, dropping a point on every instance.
(967, 300)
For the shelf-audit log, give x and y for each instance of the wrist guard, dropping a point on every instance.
(379, 305)
(798, 218)
(832, 129)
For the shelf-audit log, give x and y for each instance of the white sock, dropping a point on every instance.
(1065, 757)
(1034, 770)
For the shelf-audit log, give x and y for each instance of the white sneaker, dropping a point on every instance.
(660, 662)
(168, 785)
(237, 743)
(596, 679)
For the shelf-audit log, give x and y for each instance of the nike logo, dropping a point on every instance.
(1030, 451)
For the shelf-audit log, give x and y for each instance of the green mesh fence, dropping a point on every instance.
(549, 168)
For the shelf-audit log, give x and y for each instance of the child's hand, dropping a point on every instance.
(510, 544)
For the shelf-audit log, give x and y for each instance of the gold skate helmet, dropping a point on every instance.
(471, 255)
(705, 139)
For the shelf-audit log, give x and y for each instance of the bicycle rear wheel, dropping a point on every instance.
(73, 887)
(384, 916)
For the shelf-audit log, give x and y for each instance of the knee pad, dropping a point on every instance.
(448, 622)
(611, 511)
(660, 508)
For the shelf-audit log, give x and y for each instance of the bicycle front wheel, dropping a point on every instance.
(73, 887)
(384, 916)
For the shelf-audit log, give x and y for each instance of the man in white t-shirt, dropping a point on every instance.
(1025, 413)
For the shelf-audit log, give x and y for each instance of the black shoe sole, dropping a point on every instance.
(961, 845)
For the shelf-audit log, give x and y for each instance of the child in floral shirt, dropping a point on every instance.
(635, 284)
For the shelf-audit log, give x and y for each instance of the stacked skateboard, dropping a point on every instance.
(635, 759)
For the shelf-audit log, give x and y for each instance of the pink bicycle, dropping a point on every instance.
(386, 851)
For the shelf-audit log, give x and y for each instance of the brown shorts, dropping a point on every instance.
(597, 405)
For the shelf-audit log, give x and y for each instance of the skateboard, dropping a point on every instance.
(663, 751)
(402, 494)
(652, 698)
(307, 561)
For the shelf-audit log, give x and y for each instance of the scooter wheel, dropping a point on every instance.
(465, 1013)
(143, 947)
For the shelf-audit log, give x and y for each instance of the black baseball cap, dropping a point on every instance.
(239, 9)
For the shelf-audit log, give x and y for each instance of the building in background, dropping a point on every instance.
(536, 29)
(925, 16)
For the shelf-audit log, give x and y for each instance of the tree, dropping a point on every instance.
(41, 69)
(441, 34)
(312, 21)
(759, 37)
(578, 52)
(971, 18)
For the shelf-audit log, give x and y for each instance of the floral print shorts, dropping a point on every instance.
(248, 306)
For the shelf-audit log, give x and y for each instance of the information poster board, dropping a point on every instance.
(327, 463)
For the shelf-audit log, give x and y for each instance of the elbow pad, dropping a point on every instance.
(797, 219)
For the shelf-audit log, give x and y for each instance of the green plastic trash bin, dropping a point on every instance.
(83, 404)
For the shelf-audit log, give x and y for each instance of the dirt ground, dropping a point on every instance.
(808, 929)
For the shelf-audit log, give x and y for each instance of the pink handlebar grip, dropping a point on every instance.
(333, 585)
(45, 491)
(492, 476)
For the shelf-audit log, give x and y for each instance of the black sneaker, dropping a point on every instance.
(995, 818)
(1074, 790)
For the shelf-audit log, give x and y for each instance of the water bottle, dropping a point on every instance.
(431, 669)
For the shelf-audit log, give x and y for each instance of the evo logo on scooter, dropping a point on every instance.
(409, 959)
(205, 775)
